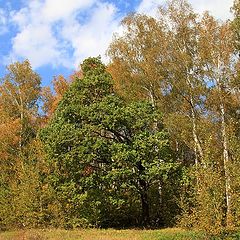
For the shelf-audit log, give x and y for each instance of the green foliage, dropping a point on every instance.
(204, 201)
(104, 153)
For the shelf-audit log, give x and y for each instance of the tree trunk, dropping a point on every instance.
(226, 166)
(145, 203)
(225, 146)
(21, 109)
(197, 145)
(143, 194)
(197, 149)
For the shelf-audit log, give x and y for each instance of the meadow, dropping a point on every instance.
(102, 234)
(111, 234)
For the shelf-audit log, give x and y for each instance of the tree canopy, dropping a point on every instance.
(98, 141)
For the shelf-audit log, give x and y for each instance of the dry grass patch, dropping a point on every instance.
(103, 234)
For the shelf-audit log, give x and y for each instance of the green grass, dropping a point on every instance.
(108, 234)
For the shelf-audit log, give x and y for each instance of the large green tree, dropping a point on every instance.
(105, 154)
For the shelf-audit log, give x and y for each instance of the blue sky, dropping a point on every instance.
(56, 35)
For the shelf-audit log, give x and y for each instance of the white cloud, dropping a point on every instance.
(37, 43)
(218, 8)
(34, 39)
(93, 37)
(53, 10)
(3, 22)
(63, 33)
(53, 33)
(149, 7)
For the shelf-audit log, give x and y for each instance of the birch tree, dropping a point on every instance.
(19, 93)
(220, 65)
(158, 59)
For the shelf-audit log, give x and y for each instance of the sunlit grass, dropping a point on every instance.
(108, 234)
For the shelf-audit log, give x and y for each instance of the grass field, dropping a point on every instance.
(109, 234)
(95, 234)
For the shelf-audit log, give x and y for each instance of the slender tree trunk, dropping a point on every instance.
(198, 149)
(145, 203)
(21, 133)
(177, 149)
(152, 98)
(197, 145)
(21, 140)
(22, 122)
(226, 165)
(144, 195)
(225, 147)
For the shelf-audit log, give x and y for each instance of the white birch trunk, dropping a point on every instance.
(226, 164)
(197, 145)
(198, 148)
(225, 147)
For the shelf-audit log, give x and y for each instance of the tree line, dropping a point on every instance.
(151, 139)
